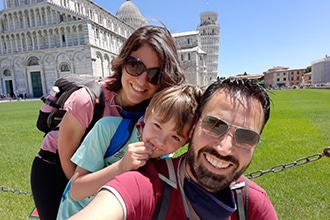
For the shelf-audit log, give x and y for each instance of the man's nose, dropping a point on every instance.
(224, 144)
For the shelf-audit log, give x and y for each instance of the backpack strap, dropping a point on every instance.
(67, 87)
(169, 184)
(95, 91)
(123, 131)
(120, 137)
(164, 203)
(242, 204)
(246, 188)
(171, 179)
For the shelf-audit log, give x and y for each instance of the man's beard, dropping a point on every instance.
(210, 181)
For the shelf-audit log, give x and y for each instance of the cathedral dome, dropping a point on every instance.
(131, 14)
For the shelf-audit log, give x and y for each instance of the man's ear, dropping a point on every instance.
(193, 127)
(192, 130)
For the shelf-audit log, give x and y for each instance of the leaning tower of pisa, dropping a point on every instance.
(209, 31)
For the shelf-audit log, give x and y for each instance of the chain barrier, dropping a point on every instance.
(281, 167)
(275, 169)
(15, 191)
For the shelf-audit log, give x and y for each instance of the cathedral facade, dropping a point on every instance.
(42, 40)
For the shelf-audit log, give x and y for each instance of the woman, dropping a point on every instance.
(147, 63)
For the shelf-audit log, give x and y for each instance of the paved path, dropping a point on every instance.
(21, 100)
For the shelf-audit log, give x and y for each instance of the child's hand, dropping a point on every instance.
(136, 156)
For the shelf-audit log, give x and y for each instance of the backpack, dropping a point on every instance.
(170, 183)
(67, 85)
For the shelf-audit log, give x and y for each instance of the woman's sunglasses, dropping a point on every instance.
(217, 127)
(135, 67)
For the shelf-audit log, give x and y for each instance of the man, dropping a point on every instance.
(230, 119)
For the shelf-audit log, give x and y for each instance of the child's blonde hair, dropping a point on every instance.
(177, 102)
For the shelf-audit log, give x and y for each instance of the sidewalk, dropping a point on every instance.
(19, 100)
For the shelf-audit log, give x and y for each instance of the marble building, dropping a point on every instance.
(42, 40)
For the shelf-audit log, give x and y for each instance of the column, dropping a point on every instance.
(26, 42)
(11, 44)
(60, 37)
(24, 20)
(35, 18)
(1, 45)
(78, 35)
(49, 42)
(38, 40)
(22, 45)
(16, 44)
(30, 19)
(14, 22)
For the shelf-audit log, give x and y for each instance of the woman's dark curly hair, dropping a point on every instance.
(160, 39)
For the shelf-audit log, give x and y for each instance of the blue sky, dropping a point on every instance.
(255, 35)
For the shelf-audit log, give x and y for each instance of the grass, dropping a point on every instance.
(20, 141)
(298, 127)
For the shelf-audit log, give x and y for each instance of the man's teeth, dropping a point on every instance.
(216, 163)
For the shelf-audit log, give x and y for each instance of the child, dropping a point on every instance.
(166, 127)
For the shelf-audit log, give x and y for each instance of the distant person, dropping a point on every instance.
(231, 117)
(148, 62)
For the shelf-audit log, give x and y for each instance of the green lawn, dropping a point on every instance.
(298, 127)
(20, 141)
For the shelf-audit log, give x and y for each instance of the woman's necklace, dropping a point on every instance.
(112, 102)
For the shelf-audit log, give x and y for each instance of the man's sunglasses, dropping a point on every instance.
(217, 127)
(135, 67)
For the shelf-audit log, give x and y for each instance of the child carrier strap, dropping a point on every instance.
(170, 182)
(242, 204)
(123, 131)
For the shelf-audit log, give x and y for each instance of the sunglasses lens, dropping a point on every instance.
(153, 75)
(213, 126)
(132, 67)
(216, 127)
(245, 136)
(135, 67)
(140, 68)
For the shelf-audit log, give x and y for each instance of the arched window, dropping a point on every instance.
(33, 61)
(65, 67)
